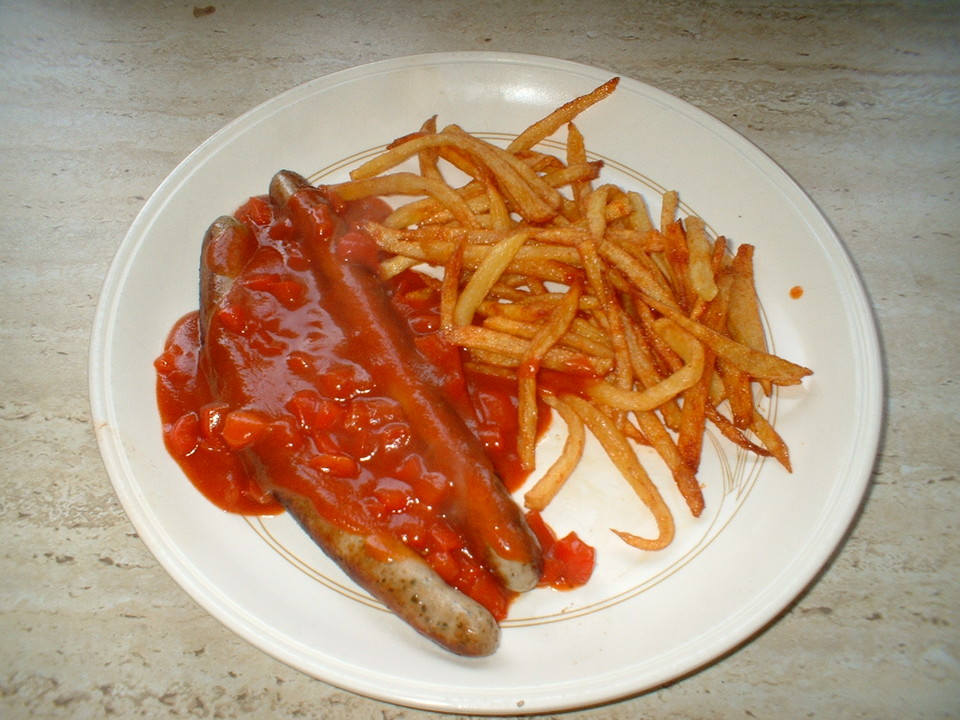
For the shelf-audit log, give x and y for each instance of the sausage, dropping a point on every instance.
(227, 247)
(405, 583)
(361, 307)
(395, 575)
(392, 572)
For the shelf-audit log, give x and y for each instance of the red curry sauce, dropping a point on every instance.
(331, 416)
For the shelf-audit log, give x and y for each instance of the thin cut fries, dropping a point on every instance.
(545, 338)
(668, 388)
(486, 276)
(639, 330)
(540, 495)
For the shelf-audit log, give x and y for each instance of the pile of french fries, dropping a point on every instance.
(639, 332)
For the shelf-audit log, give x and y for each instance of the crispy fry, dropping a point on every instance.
(560, 117)
(668, 210)
(743, 317)
(545, 338)
(408, 184)
(548, 269)
(640, 275)
(683, 475)
(701, 259)
(514, 348)
(758, 364)
(511, 175)
(655, 396)
(546, 488)
(486, 275)
(771, 440)
(624, 457)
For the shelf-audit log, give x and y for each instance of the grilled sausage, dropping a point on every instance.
(361, 307)
(386, 567)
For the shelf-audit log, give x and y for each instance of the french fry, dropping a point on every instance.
(668, 388)
(743, 317)
(758, 364)
(625, 459)
(640, 215)
(560, 117)
(732, 433)
(549, 484)
(701, 259)
(683, 475)
(408, 184)
(693, 419)
(429, 160)
(571, 339)
(514, 348)
(576, 154)
(771, 440)
(668, 210)
(549, 271)
(511, 175)
(486, 275)
(640, 275)
(545, 338)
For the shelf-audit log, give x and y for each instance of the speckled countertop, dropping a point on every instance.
(100, 100)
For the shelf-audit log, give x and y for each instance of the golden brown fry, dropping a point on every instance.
(758, 364)
(546, 488)
(534, 182)
(640, 215)
(486, 275)
(512, 180)
(408, 184)
(683, 475)
(693, 418)
(738, 390)
(668, 210)
(545, 338)
(428, 158)
(623, 456)
(571, 339)
(640, 275)
(561, 116)
(514, 348)
(609, 308)
(732, 433)
(771, 440)
(576, 154)
(701, 259)
(655, 323)
(743, 318)
(655, 396)
(577, 175)
(677, 256)
(449, 289)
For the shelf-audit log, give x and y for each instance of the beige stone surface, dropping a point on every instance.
(99, 100)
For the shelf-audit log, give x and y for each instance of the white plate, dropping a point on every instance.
(644, 619)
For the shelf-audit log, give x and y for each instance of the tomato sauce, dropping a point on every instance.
(297, 391)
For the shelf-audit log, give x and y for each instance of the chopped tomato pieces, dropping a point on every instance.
(256, 210)
(233, 318)
(184, 435)
(212, 416)
(313, 412)
(243, 427)
(568, 562)
(336, 464)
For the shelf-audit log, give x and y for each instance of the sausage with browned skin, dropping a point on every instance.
(388, 569)
(361, 307)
